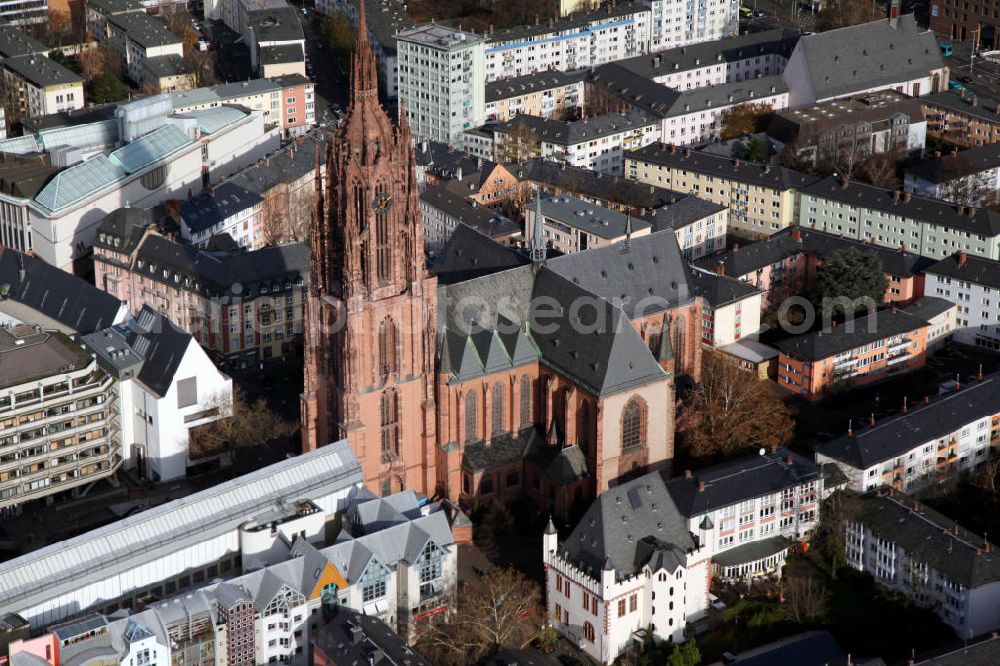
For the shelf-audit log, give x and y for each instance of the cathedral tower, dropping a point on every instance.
(371, 312)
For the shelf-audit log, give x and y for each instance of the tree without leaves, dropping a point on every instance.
(805, 598)
(852, 274)
(880, 170)
(746, 119)
(839, 509)
(519, 144)
(500, 610)
(843, 13)
(92, 63)
(246, 426)
(731, 410)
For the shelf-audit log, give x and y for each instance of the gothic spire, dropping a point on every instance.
(538, 251)
(364, 80)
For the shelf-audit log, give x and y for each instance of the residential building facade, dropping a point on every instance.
(550, 94)
(42, 85)
(971, 283)
(961, 118)
(441, 82)
(731, 309)
(970, 177)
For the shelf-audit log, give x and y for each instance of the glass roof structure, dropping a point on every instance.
(78, 182)
(150, 148)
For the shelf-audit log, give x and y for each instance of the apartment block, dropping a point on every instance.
(441, 82)
(444, 208)
(598, 143)
(748, 512)
(242, 307)
(961, 118)
(788, 263)
(970, 177)
(136, 37)
(730, 308)
(714, 62)
(973, 284)
(929, 440)
(602, 586)
(226, 209)
(587, 39)
(853, 353)
(276, 40)
(59, 417)
(898, 219)
(676, 23)
(912, 550)
(42, 86)
(550, 94)
(851, 129)
(762, 199)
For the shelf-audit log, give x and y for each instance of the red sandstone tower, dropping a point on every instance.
(371, 317)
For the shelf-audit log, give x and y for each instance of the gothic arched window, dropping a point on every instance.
(496, 422)
(471, 417)
(677, 339)
(633, 426)
(525, 400)
(387, 364)
(389, 412)
(383, 242)
(583, 426)
(361, 215)
(588, 632)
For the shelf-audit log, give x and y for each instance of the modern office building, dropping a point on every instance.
(441, 82)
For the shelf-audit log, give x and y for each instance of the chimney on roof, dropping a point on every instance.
(871, 420)
(962, 258)
(955, 528)
(937, 154)
(954, 152)
(895, 195)
(904, 404)
(927, 400)
(788, 460)
(958, 382)
(797, 235)
(971, 211)
(907, 196)
(687, 474)
(979, 375)
(536, 19)
(850, 429)
(767, 168)
(701, 486)
(736, 162)
(687, 152)
(961, 210)
(974, 101)
(894, 11)
(720, 269)
(673, 149)
(736, 247)
(844, 182)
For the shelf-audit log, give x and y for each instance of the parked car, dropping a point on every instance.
(946, 48)
(955, 85)
(965, 79)
(715, 602)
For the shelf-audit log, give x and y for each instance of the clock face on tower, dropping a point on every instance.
(382, 202)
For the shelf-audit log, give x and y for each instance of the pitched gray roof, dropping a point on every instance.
(60, 296)
(529, 83)
(957, 165)
(594, 185)
(719, 290)
(776, 177)
(867, 56)
(969, 268)
(485, 220)
(597, 220)
(40, 71)
(928, 536)
(817, 345)
(144, 29)
(628, 526)
(976, 106)
(226, 200)
(737, 480)
(13, 42)
(983, 221)
(921, 424)
(568, 133)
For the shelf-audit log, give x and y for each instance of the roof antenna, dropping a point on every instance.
(538, 251)
(21, 273)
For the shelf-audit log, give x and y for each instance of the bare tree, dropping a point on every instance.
(838, 510)
(747, 118)
(880, 170)
(10, 100)
(500, 610)
(987, 478)
(805, 598)
(600, 100)
(242, 425)
(519, 144)
(843, 13)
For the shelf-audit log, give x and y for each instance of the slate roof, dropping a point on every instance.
(13, 42)
(284, 166)
(485, 220)
(867, 56)
(144, 29)
(40, 71)
(663, 102)
(629, 526)
(503, 450)
(529, 83)
(983, 221)
(921, 424)
(572, 132)
(818, 345)
(650, 274)
(969, 268)
(929, 537)
(469, 255)
(122, 229)
(602, 222)
(928, 307)
(595, 185)
(73, 303)
(227, 200)
(779, 41)
(719, 290)
(443, 160)
(686, 210)
(355, 638)
(971, 105)
(740, 479)
(775, 177)
(951, 166)
(749, 258)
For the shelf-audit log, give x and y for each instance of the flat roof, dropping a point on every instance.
(439, 36)
(144, 29)
(41, 71)
(28, 354)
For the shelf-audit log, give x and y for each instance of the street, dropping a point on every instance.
(980, 76)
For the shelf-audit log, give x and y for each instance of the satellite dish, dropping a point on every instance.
(762, 451)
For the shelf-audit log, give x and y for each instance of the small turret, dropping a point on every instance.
(538, 246)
